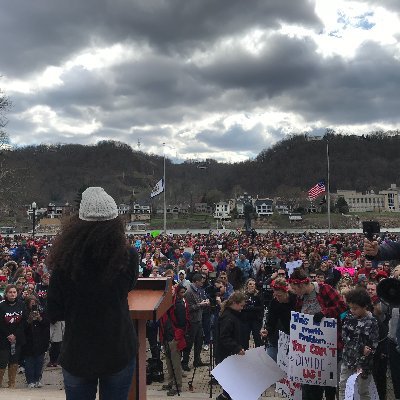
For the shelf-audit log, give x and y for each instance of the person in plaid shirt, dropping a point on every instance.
(320, 300)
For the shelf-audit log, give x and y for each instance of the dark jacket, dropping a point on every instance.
(193, 298)
(229, 334)
(99, 337)
(12, 321)
(37, 334)
(388, 251)
(278, 319)
(253, 309)
(235, 277)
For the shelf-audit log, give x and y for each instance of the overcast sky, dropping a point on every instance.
(211, 78)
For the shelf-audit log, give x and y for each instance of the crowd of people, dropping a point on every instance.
(228, 288)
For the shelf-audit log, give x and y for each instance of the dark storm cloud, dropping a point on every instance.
(39, 33)
(285, 63)
(234, 138)
(362, 91)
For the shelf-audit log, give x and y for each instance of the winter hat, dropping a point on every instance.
(97, 205)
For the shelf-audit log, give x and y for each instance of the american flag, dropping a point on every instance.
(316, 190)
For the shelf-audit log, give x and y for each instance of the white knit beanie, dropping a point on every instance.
(97, 205)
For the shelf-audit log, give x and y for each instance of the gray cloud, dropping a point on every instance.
(166, 86)
(51, 31)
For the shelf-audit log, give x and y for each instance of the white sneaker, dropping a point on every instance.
(205, 347)
(38, 384)
(31, 386)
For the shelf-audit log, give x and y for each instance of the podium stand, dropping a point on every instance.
(150, 299)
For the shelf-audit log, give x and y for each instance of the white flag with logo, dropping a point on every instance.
(159, 188)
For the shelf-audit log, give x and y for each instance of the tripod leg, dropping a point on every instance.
(191, 382)
(169, 355)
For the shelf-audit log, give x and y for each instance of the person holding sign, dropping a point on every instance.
(361, 337)
(279, 315)
(320, 300)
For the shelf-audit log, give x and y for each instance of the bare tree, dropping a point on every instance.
(8, 185)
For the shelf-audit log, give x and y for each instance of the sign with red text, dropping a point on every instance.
(313, 350)
(287, 388)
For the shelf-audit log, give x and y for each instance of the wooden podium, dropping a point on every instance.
(150, 299)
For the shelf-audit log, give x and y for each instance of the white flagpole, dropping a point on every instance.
(165, 204)
(328, 197)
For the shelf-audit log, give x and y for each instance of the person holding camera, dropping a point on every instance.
(252, 314)
(195, 335)
(37, 333)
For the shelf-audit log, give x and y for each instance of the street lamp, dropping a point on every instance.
(34, 206)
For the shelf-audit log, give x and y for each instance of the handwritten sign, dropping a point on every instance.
(313, 350)
(287, 388)
(351, 392)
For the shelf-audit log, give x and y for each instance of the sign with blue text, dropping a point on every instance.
(313, 350)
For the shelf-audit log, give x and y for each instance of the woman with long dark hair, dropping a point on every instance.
(93, 271)
(12, 336)
(229, 331)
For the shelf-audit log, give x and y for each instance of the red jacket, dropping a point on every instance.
(179, 333)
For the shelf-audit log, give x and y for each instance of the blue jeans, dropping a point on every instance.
(111, 387)
(34, 368)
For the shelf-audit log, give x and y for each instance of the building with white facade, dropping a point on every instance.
(391, 198)
(263, 207)
(363, 202)
(222, 210)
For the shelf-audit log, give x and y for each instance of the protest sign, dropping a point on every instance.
(351, 392)
(289, 389)
(247, 377)
(313, 350)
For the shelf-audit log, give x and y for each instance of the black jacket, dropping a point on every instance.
(99, 338)
(12, 321)
(229, 334)
(279, 315)
(37, 334)
(253, 309)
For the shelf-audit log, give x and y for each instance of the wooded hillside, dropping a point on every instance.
(56, 173)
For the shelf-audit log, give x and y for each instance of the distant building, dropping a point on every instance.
(58, 210)
(263, 207)
(141, 209)
(123, 209)
(241, 201)
(174, 209)
(282, 208)
(53, 210)
(202, 208)
(391, 198)
(359, 202)
(222, 210)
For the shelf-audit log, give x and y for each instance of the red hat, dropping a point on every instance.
(381, 274)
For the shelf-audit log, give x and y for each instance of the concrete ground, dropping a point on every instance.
(53, 387)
